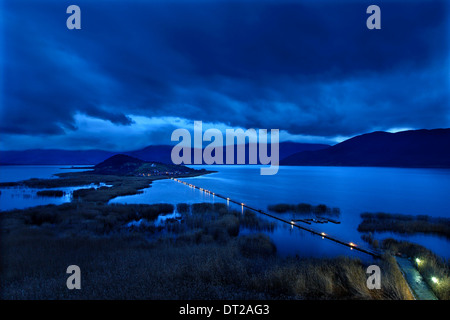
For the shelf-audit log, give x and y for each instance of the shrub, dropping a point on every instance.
(281, 208)
(37, 218)
(151, 212)
(321, 209)
(183, 208)
(252, 221)
(191, 237)
(50, 193)
(256, 245)
(404, 224)
(106, 223)
(304, 208)
(202, 207)
(367, 237)
(230, 223)
(221, 209)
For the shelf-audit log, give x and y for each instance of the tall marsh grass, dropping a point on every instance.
(204, 256)
(304, 208)
(430, 265)
(404, 224)
(33, 265)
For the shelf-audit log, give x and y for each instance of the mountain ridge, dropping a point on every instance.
(424, 148)
(156, 153)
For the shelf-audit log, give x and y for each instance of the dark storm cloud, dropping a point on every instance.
(306, 67)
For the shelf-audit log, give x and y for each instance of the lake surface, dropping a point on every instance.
(21, 198)
(353, 190)
(19, 173)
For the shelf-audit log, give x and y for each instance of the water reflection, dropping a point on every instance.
(22, 197)
(353, 190)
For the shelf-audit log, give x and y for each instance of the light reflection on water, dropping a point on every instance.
(353, 190)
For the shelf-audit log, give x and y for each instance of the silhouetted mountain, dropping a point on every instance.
(414, 148)
(118, 163)
(285, 149)
(289, 148)
(124, 165)
(157, 153)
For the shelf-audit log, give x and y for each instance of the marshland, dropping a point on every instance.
(201, 255)
(148, 237)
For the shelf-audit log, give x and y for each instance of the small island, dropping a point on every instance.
(123, 165)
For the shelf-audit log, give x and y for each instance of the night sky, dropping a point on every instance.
(139, 69)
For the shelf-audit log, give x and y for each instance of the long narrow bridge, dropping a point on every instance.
(293, 223)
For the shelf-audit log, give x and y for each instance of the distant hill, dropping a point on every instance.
(124, 165)
(54, 156)
(289, 148)
(156, 153)
(118, 163)
(413, 148)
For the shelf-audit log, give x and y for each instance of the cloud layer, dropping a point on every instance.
(307, 68)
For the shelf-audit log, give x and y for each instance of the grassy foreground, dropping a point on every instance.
(427, 263)
(203, 256)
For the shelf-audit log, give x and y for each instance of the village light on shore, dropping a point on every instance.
(434, 279)
(418, 261)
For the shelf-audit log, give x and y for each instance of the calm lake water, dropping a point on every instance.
(19, 173)
(21, 198)
(353, 190)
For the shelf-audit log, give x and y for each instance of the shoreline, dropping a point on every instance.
(94, 219)
(120, 185)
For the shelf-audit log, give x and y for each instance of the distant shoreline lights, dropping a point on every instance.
(213, 152)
